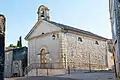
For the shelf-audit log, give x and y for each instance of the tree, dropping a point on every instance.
(11, 45)
(20, 41)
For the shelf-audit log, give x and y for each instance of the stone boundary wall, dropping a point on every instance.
(44, 72)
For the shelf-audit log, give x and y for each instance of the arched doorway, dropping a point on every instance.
(43, 58)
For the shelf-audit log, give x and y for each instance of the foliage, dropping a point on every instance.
(11, 45)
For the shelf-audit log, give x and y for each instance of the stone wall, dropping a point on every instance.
(8, 64)
(45, 72)
(86, 53)
(50, 45)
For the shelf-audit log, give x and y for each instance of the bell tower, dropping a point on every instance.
(43, 13)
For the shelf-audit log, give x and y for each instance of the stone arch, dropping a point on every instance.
(43, 55)
(45, 48)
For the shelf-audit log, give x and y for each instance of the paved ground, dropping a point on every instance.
(73, 76)
(43, 78)
(91, 76)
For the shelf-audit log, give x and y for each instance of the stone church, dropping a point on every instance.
(63, 45)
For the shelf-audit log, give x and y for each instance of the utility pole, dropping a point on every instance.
(2, 45)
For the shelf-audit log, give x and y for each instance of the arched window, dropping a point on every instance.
(42, 33)
(80, 39)
(42, 14)
(53, 36)
(96, 42)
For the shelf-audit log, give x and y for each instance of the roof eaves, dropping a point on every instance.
(62, 26)
(56, 24)
(28, 35)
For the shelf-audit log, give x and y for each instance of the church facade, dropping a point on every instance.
(63, 46)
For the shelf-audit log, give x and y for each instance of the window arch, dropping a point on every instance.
(96, 42)
(53, 36)
(80, 39)
(42, 33)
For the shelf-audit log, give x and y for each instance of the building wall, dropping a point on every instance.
(110, 61)
(81, 53)
(43, 72)
(115, 22)
(38, 41)
(66, 45)
(44, 27)
(11, 55)
(85, 52)
(47, 42)
(8, 63)
(110, 54)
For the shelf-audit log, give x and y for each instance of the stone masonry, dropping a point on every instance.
(84, 54)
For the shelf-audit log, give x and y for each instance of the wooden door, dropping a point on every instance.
(43, 58)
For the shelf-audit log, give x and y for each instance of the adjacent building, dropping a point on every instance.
(8, 63)
(63, 45)
(114, 10)
(15, 61)
(110, 56)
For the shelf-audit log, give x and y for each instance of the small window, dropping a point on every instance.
(42, 14)
(80, 39)
(53, 36)
(96, 42)
(42, 33)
